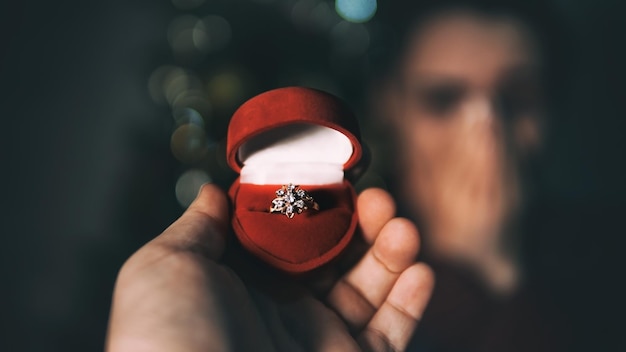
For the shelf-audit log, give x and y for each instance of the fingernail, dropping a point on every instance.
(200, 189)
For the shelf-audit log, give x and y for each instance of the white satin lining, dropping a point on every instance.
(298, 153)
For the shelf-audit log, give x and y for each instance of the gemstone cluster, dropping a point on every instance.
(291, 199)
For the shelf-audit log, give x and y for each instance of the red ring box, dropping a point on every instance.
(305, 137)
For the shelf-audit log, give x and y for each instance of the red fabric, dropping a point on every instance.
(299, 244)
(310, 239)
(286, 106)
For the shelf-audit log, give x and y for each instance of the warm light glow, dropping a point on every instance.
(226, 89)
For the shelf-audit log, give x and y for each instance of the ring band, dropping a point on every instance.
(291, 199)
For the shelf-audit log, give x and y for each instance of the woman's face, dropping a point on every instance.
(466, 109)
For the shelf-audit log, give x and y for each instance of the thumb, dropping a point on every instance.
(203, 227)
(213, 203)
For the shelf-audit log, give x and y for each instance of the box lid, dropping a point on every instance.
(290, 106)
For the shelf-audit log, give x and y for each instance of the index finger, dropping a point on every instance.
(375, 208)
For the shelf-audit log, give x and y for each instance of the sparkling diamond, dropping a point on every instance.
(291, 200)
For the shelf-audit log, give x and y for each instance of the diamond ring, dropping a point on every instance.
(291, 199)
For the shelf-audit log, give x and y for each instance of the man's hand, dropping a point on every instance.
(177, 294)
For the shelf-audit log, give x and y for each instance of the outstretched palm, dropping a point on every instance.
(181, 292)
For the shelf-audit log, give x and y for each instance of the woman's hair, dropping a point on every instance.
(402, 19)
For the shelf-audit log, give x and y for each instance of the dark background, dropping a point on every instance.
(88, 174)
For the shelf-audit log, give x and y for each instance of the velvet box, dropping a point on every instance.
(299, 136)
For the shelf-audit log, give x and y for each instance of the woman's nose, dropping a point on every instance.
(479, 109)
(481, 117)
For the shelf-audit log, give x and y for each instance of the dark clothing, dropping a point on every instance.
(464, 316)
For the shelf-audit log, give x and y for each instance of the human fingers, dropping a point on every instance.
(393, 324)
(357, 295)
(375, 208)
(202, 227)
(311, 325)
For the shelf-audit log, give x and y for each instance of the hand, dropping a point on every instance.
(177, 294)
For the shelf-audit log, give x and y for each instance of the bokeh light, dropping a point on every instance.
(324, 17)
(196, 100)
(226, 89)
(189, 143)
(349, 39)
(187, 4)
(191, 37)
(183, 116)
(357, 11)
(182, 33)
(188, 185)
(301, 10)
(212, 33)
(156, 83)
(177, 82)
(314, 15)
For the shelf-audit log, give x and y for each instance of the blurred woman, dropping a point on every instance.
(465, 96)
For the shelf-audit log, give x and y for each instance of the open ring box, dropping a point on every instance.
(298, 136)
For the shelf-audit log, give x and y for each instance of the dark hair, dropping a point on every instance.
(400, 19)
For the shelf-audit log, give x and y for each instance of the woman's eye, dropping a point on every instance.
(514, 103)
(440, 101)
(518, 95)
